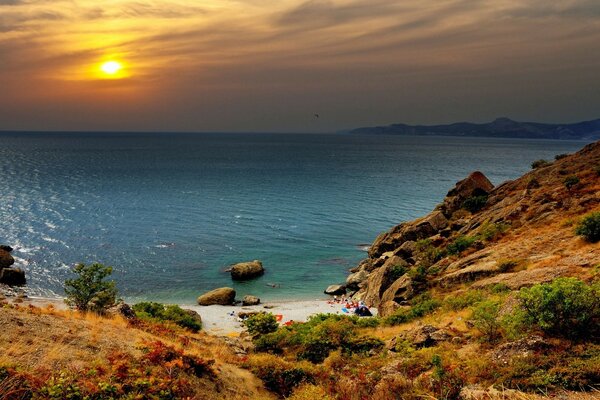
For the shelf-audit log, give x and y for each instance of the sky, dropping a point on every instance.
(271, 65)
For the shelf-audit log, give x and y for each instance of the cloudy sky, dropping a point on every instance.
(270, 65)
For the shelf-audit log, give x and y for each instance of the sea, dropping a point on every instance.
(171, 211)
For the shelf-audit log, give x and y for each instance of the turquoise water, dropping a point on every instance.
(171, 211)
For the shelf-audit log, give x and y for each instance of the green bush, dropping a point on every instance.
(460, 244)
(428, 253)
(566, 307)
(261, 324)
(420, 306)
(539, 163)
(362, 345)
(485, 319)
(173, 313)
(458, 302)
(489, 231)
(89, 291)
(397, 271)
(560, 156)
(570, 181)
(475, 203)
(589, 227)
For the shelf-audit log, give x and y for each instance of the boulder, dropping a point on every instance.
(250, 300)
(12, 276)
(335, 289)
(6, 260)
(399, 291)
(377, 282)
(354, 280)
(6, 248)
(247, 270)
(422, 336)
(388, 308)
(223, 296)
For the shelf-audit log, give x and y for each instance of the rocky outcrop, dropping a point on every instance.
(12, 276)
(246, 270)
(476, 184)
(421, 336)
(478, 226)
(222, 296)
(335, 290)
(250, 300)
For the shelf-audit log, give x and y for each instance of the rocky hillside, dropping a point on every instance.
(516, 234)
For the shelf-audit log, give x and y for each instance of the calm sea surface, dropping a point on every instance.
(171, 211)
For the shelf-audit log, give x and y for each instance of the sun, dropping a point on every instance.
(111, 67)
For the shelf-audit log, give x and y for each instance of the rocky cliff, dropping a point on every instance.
(516, 234)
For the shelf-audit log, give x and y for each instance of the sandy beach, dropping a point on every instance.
(224, 320)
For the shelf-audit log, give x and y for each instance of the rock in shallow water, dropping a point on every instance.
(12, 276)
(223, 296)
(247, 270)
(335, 289)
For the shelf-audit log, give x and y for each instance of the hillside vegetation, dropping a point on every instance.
(493, 295)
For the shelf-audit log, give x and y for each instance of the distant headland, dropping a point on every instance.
(499, 128)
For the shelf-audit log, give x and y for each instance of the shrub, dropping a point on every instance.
(397, 271)
(173, 313)
(570, 181)
(560, 156)
(89, 291)
(539, 163)
(309, 392)
(598, 170)
(489, 231)
(420, 306)
(428, 253)
(261, 324)
(278, 375)
(475, 203)
(460, 244)
(589, 227)
(458, 302)
(485, 319)
(533, 183)
(363, 344)
(566, 307)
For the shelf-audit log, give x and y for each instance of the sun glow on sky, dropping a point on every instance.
(265, 65)
(111, 67)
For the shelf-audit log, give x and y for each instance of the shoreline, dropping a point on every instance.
(223, 320)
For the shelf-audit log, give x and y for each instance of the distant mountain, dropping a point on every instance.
(501, 127)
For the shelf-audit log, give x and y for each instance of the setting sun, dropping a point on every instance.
(111, 67)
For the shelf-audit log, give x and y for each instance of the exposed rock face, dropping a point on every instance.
(223, 296)
(12, 276)
(354, 280)
(476, 184)
(6, 260)
(335, 289)
(247, 270)
(422, 336)
(250, 300)
(400, 291)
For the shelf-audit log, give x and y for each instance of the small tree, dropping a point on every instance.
(485, 319)
(589, 227)
(539, 164)
(89, 291)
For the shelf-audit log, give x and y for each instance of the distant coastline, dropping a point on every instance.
(499, 128)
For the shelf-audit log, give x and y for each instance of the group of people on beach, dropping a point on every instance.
(350, 306)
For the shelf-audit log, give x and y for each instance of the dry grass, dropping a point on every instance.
(43, 341)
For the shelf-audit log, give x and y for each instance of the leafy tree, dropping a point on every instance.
(89, 291)
(589, 227)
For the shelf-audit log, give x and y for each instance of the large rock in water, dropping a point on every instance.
(247, 270)
(6, 260)
(223, 296)
(12, 276)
